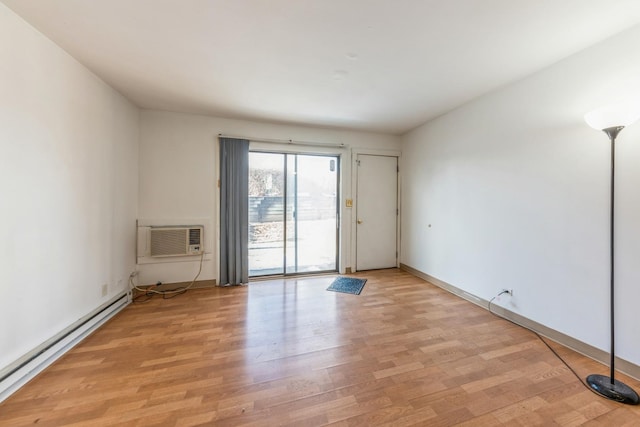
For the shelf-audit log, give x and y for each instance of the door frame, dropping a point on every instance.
(355, 152)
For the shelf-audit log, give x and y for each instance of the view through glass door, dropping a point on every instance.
(293, 213)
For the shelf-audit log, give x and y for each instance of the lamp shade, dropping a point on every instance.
(612, 116)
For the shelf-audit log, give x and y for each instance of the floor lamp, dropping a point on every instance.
(611, 120)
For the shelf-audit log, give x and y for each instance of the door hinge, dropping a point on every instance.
(398, 169)
(358, 162)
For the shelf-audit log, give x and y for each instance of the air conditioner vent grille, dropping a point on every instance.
(175, 241)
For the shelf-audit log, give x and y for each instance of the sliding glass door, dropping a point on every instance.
(293, 213)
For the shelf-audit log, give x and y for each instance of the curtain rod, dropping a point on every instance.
(285, 141)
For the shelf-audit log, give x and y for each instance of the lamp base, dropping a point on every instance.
(618, 391)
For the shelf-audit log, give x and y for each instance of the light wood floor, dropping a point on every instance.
(287, 352)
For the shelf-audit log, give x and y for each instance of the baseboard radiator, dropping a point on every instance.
(31, 364)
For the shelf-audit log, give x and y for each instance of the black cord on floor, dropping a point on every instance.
(543, 341)
(138, 299)
(168, 294)
(174, 293)
(165, 294)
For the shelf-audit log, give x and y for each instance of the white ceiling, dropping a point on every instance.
(376, 65)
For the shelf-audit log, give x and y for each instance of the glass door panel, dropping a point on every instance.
(316, 214)
(266, 213)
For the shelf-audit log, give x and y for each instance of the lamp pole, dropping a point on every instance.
(605, 386)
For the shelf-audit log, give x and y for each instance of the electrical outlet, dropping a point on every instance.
(508, 291)
(105, 289)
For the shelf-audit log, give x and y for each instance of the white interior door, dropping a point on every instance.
(377, 212)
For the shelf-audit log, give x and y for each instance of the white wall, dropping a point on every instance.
(179, 172)
(68, 186)
(515, 187)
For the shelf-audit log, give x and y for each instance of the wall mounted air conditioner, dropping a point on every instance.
(175, 241)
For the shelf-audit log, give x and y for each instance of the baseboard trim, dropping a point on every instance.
(624, 366)
(31, 364)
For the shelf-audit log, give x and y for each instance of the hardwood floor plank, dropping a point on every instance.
(289, 353)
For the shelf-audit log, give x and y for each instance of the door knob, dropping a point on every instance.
(359, 221)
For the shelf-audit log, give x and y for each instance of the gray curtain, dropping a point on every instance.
(234, 211)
